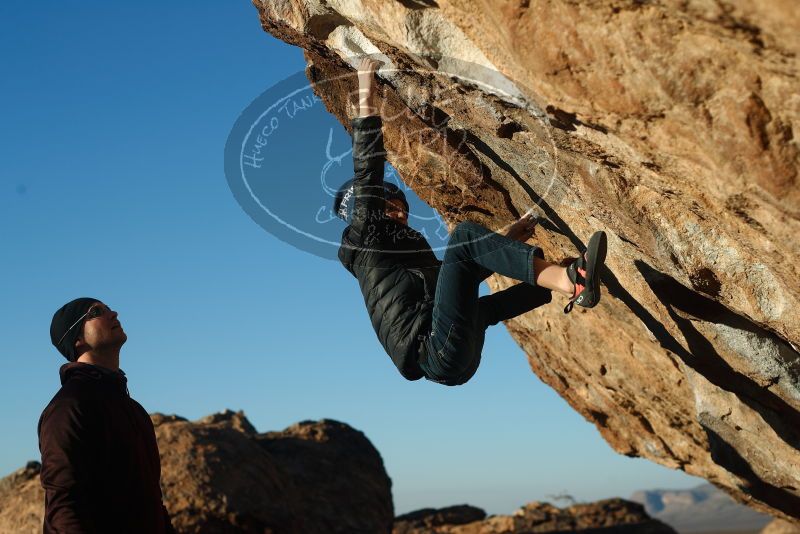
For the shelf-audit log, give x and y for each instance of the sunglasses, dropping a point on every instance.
(98, 310)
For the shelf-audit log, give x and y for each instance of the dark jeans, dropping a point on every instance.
(460, 317)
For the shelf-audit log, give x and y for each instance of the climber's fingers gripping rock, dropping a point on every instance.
(367, 85)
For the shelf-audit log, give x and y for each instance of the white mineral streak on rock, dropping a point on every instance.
(769, 292)
(425, 33)
(351, 44)
(770, 361)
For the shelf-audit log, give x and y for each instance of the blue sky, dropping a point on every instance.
(115, 119)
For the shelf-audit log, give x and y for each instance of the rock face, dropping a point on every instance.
(700, 509)
(219, 475)
(669, 125)
(612, 515)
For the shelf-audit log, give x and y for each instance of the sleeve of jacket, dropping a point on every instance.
(369, 157)
(66, 441)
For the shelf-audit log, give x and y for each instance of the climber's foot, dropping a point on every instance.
(584, 273)
(523, 228)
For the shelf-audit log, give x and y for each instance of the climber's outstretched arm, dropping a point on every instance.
(368, 153)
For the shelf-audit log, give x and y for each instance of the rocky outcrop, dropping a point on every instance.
(612, 515)
(437, 519)
(671, 126)
(700, 509)
(779, 526)
(22, 501)
(220, 475)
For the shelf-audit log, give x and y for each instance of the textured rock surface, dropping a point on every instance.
(312, 477)
(671, 126)
(22, 501)
(612, 515)
(436, 520)
(219, 475)
(342, 484)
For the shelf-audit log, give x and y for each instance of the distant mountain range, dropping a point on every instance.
(701, 509)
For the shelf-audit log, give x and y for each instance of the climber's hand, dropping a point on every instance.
(367, 86)
(367, 67)
(522, 229)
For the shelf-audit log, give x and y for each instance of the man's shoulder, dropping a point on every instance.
(346, 239)
(366, 252)
(350, 246)
(74, 398)
(80, 386)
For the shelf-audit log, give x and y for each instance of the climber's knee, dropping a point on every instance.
(464, 231)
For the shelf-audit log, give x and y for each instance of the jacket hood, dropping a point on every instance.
(72, 370)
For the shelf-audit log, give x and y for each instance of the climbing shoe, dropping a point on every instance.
(584, 273)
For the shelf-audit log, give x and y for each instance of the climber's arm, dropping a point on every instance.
(368, 153)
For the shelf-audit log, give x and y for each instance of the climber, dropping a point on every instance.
(426, 312)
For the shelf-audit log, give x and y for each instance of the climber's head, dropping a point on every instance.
(396, 204)
(397, 210)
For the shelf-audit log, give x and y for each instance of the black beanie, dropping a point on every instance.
(391, 191)
(63, 319)
(345, 199)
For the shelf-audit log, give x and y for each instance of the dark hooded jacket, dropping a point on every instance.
(394, 264)
(100, 466)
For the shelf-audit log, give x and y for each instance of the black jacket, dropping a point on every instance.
(394, 264)
(100, 466)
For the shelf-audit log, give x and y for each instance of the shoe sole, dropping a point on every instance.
(595, 257)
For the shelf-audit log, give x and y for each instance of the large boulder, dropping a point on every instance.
(611, 515)
(219, 475)
(340, 476)
(669, 125)
(216, 476)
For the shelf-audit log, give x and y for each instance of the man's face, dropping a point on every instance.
(104, 330)
(396, 210)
